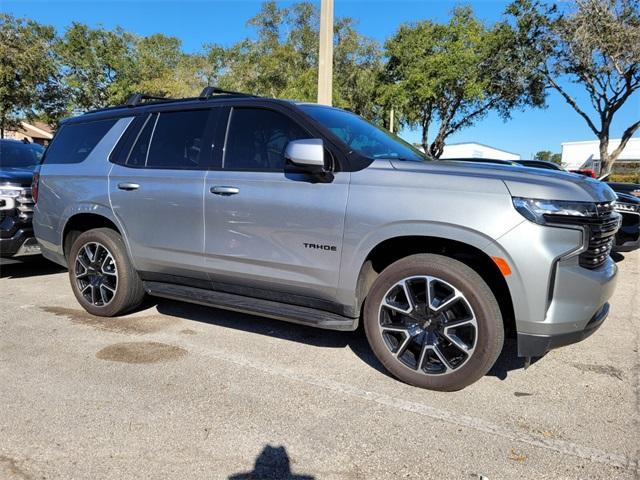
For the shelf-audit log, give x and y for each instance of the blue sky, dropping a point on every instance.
(198, 21)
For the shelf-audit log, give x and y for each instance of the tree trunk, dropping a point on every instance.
(606, 162)
(425, 136)
(437, 147)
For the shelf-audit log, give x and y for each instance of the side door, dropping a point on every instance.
(156, 191)
(269, 233)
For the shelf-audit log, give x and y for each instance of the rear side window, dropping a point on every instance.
(178, 140)
(74, 142)
(138, 154)
(123, 148)
(257, 139)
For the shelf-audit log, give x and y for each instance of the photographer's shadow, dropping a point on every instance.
(272, 463)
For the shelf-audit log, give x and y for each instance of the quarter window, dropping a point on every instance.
(257, 139)
(74, 142)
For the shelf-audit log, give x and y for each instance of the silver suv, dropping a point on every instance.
(310, 214)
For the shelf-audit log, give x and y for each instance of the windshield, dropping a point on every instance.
(17, 154)
(362, 136)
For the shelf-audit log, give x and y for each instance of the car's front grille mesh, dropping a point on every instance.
(25, 204)
(601, 231)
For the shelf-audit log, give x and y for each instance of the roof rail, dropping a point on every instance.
(136, 99)
(208, 92)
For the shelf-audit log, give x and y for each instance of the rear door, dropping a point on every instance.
(156, 191)
(269, 232)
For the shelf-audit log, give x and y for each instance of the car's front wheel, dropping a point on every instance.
(102, 277)
(433, 322)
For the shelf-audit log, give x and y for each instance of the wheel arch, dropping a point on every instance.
(393, 249)
(81, 222)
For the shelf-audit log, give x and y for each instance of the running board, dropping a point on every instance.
(253, 306)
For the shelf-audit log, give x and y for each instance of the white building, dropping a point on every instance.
(587, 154)
(476, 150)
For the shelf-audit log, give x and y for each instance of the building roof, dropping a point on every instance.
(37, 130)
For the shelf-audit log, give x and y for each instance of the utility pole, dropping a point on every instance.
(325, 57)
(391, 119)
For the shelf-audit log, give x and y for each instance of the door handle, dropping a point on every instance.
(128, 186)
(222, 190)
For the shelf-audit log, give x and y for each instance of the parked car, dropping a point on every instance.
(628, 188)
(310, 214)
(628, 237)
(540, 164)
(18, 161)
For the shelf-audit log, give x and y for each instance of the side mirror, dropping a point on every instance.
(306, 154)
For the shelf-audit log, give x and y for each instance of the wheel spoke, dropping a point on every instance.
(87, 252)
(458, 323)
(423, 353)
(407, 292)
(403, 346)
(395, 307)
(442, 359)
(108, 259)
(442, 307)
(456, 341)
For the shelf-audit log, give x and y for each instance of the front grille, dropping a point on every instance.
(601, 231)
(24, 205)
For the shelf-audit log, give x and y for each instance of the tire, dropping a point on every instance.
(423, 346)
(110, 277)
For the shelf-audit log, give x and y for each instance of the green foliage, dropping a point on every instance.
(453, 74)
(282, 61)
(548, 156)
(28, 73)
(625, 178)
(594, 44)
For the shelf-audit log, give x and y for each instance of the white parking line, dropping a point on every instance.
(555, 445)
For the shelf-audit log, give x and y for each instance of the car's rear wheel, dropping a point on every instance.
(102, 277)
(433, 322)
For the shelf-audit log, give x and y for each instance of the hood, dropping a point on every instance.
(17, 175)
(626, 198)
(520, 181)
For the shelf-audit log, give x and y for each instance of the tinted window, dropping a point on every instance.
(363, 137)
(18, 154)
(122, 149)
(258, 138)
(74, 142)
(138, 153)
(178, 140)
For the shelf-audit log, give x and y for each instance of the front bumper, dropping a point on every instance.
(22, 243)
(531, 345)
(555, 300)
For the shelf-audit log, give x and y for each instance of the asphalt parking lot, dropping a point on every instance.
(182, 391)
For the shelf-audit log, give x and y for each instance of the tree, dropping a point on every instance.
(97, 66)
(596, 46)
(454, 74)
(162, 68)
(27, 69)
(282, 60)
(547, 156)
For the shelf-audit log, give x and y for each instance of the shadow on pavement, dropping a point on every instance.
(356, 341)
(508, 360)
(272, 463)
(28, 267)
(617, 257)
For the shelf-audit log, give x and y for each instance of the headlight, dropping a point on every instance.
(10, 191)
(626, 207)
(553, 211)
